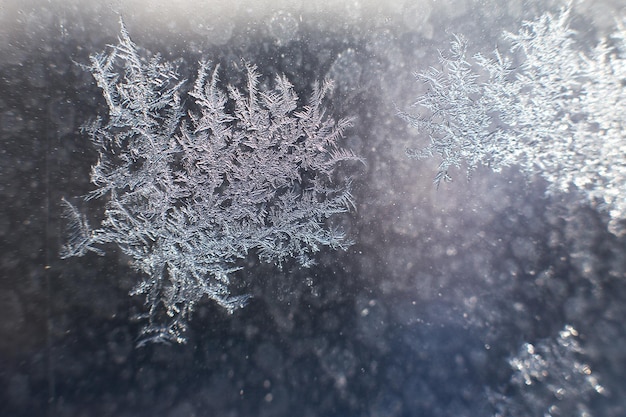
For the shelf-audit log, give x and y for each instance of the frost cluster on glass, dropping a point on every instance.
(549, 379)
(195, 177)
(557, 112)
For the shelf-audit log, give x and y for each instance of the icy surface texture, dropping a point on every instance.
(194, 181)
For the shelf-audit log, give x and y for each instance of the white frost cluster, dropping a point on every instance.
(559, 113)
(194, 181)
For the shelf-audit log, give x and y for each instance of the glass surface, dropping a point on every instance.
(502, 293)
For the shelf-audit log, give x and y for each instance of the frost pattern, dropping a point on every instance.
(194, 181)
(558, 114)
(549, 379)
